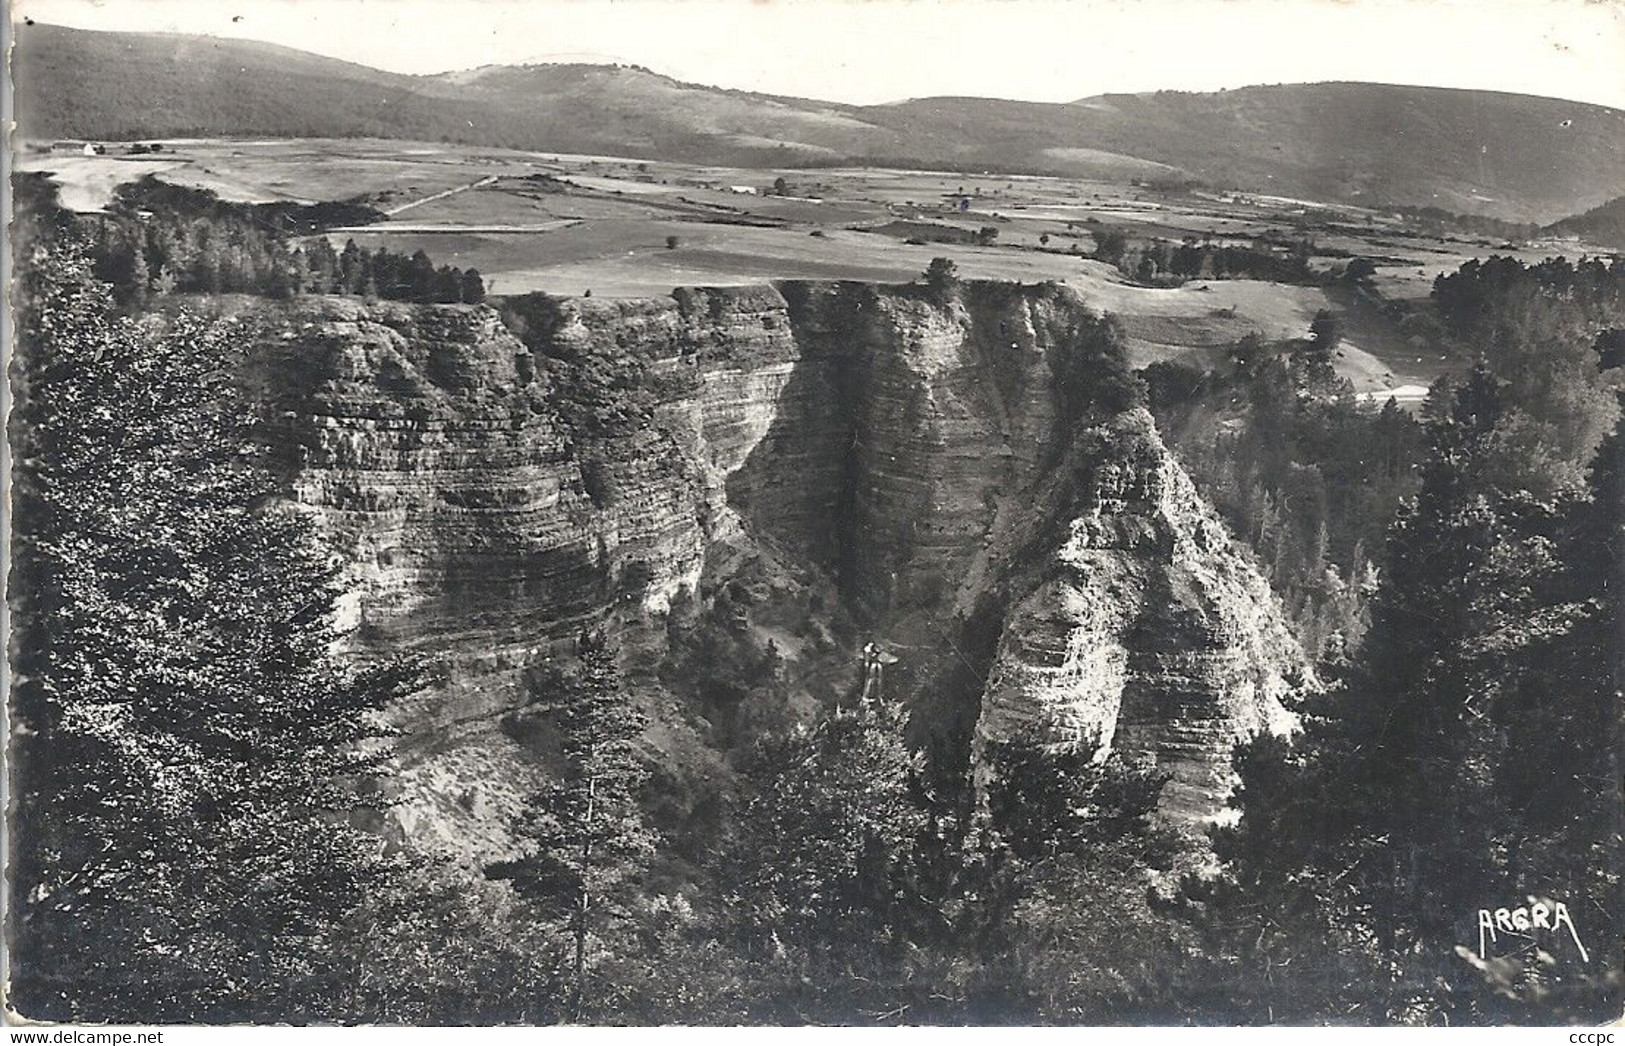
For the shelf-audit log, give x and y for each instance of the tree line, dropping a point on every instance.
(840, 888)
(1464, 764)
(1158, 260)
(1503, 298)
(158, 239)
(191, 741)
(1305, 475)
(1553, 331)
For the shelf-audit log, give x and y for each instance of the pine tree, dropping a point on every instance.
(324, 264)
(1552, 636)
(834, 804)
(446, 286)
(164, 282)
(1472, 754)
(190, 741)
(823, 900)
(292, 268)
(140, 276)
(353, 271)
(584, 836)
(419, 279)
(941, 276)
(1058, 825)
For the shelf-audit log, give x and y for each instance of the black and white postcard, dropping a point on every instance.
(815, 512)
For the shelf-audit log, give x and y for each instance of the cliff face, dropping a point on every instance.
(747, 487)
(1137, 627)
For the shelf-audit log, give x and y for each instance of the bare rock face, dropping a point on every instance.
(1141, 629)
(782, 475)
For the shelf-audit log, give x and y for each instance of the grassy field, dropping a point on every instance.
(628, 257)
(87, 182)
(573, 224)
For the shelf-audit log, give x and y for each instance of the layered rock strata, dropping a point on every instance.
(886, 464)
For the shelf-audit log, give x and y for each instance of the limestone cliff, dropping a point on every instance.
(1138, 627)
(747, 486)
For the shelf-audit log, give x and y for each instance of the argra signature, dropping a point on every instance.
(1537, 915)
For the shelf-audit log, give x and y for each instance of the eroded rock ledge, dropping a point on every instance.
(808, 468)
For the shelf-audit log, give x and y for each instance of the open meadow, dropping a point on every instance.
(624, 228)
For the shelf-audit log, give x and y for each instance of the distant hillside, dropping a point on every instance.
(1603, 226)
(1474, 152)
(623, 107)
(1514, 157)
(71, 83)
(1509, 156)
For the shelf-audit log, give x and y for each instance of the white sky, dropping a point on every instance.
(885, 50)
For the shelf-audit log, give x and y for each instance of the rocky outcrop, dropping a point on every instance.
(1140, 628)
(840, 463)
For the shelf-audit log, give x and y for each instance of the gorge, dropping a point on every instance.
(747, 487)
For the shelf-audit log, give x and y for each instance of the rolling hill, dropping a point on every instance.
(1603, 224)
(72, 83)
(621, 108)
(1515, 157)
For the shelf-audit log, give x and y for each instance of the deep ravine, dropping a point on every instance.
(747, 486)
